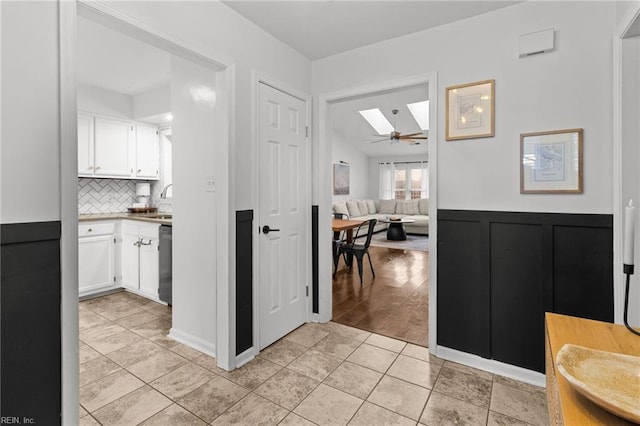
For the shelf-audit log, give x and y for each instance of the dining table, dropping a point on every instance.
(348, 225)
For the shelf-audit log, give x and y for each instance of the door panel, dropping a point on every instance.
(96, 262)
(85, 144)
(284, 179)
(130, 261)
(147, 157)
(112, 141)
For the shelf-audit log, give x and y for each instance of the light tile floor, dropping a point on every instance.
(322, 374)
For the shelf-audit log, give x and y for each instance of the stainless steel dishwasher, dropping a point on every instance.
(164, 290)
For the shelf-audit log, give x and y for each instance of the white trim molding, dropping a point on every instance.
(193, 341)
(492, 366)
(67, 18)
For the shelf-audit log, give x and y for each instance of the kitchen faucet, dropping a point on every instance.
(163, 194)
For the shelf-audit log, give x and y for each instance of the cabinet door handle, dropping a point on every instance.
(97, 167)
(139, 170)
(90, 168)
(142, 243)
(89, 230)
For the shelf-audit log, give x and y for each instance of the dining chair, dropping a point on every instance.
(339, 238)
(357, 250)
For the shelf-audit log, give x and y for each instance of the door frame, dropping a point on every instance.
(262, 78)
(625, 25)
(322, 193)
(225, 162)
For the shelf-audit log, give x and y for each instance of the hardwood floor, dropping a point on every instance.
(394, 304)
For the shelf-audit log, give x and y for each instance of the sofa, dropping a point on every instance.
(417, 210)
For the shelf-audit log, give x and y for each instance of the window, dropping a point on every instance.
(404, 181)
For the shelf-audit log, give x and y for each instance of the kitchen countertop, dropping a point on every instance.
(145, 217)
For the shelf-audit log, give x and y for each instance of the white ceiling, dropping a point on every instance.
(349, 126)
(323, 28)
(116, 62)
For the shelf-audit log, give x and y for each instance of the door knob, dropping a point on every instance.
(266, 229)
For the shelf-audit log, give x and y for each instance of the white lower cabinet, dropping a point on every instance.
(96, 257)
(140, 257)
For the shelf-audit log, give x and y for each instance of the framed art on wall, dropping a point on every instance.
(340, 179)
(470, 110)
(551, 162)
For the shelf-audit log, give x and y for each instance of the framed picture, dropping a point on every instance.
(470, 110)
(551, 162)
(340, 179)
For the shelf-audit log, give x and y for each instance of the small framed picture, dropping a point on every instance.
(551, 162)
(470, 110)
(340, 179)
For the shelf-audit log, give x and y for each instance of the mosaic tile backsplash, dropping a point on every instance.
(114, 196)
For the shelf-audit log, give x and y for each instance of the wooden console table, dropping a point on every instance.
(566, 406)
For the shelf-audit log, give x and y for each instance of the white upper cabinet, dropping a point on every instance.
(111, 145)
(147, 152)
(115, 148)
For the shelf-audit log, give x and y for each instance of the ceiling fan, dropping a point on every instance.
(396, 136)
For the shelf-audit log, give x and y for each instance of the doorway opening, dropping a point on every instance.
(213, 94)
(399, 273)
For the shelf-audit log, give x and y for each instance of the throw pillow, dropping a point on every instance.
(423, 205)
(372, 207)
(352, 206)
(362, 206)
(408, 207)
(388, 206)
(340, 207)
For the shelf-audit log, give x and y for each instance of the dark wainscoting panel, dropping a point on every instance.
(498, 272)
(314, 259)
(516, 294)
(31, 351)
(463, 320)
(582, 267)
(244, 280)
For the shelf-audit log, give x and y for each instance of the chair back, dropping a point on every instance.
(368, 225)
(340, 216)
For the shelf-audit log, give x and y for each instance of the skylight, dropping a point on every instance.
(420, 112)
(377, 120)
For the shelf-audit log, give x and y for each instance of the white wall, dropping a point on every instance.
(344, 150)
(567, 88)
(218, 29)
(30, 136)
(152, 102)
(194, 209)
(374, 170)
(106, 102)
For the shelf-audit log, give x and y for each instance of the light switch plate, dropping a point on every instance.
(210, 184)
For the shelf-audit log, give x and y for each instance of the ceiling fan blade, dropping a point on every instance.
(413, 137)
(410, 135)
(378, 140)
(411, 141)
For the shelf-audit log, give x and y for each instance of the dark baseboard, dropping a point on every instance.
(244, 280)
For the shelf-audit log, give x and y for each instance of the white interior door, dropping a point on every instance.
(284, 208)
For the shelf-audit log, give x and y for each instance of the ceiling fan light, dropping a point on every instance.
(420, 112)
(377, 120)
